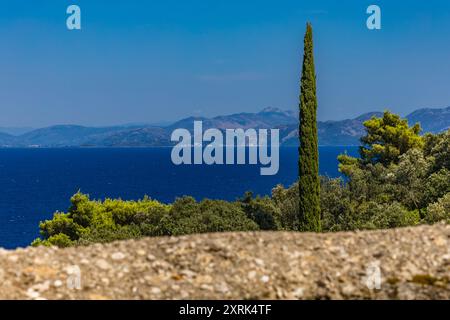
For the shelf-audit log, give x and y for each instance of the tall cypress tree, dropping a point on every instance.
(309, 183)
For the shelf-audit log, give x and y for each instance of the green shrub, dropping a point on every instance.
(82, 209)
(60, 240)
(436, 186)
(60, 224)
(437, 147)
(91, 221)
(187, 216)
(384, 216)
(103, 235)
(262, 211)
(286, 200)
(439, 211)
(145, 211)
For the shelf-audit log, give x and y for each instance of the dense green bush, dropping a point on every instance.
(91, 221)
(262, 210)
(188, 216)
(60, 240)
(439, 211)
(286, 200)
(388, 138)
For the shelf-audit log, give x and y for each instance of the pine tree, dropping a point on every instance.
(309, 183)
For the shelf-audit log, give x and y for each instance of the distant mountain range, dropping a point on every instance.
(343, 132)
(15, 131)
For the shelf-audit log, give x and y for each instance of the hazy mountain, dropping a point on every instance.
(431, 120)
(6, 139)
(267, 118)
(344, 132)
(64, 135)
(338, 133)
(135, 137)
(349, 131)
(15, 131)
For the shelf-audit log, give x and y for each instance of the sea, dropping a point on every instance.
(37, 182)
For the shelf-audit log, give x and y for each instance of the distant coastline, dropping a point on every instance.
(331, 133)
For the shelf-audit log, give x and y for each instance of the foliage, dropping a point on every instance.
(439, 211)
(309, 185)
(188, 216)
(388, 138)
(61, 240)
(262, 211)
(438, 147)
(91, 221)
(412, 188)
(286, 200)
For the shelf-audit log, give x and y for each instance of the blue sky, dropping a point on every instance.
(150, 61)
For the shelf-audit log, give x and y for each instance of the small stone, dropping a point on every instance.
(117, 256)
(259, 262)
(348, 290)
(175, 287)
(57, 283)
(298, 293)
(265, 279)
(102, 264)
(223, 288)
(155, 290)
(13, 259)
(188, 273)
(206, 287)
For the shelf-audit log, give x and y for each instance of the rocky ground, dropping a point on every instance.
(406, 263)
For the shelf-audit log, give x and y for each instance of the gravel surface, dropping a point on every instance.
(410, 263)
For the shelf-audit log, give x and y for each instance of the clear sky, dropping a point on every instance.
(149, 61)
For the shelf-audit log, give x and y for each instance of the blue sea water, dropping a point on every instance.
(37, 182)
